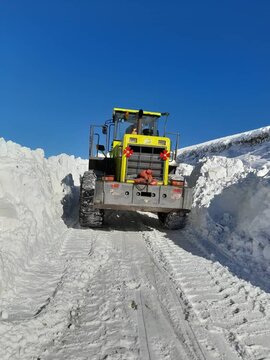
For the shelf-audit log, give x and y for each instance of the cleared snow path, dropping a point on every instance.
(133, 293)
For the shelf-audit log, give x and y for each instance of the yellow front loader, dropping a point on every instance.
(133, 171)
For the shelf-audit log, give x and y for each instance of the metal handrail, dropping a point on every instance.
(176, 143)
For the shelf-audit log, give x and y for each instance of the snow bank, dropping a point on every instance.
(33, 193)
(231, 179)
(231, 199)
(232, 145)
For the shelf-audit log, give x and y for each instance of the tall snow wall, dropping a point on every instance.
(35, 195)
(231, 207)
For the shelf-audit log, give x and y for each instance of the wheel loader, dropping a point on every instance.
(133, 170)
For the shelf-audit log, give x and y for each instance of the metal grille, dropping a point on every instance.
(143, 158)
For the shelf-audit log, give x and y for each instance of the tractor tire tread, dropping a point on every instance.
(88, 216)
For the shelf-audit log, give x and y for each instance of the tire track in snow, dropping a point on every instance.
(133, 283)
(250, 305)
(156, 342)
(105, 326)
(25, 337)
(163, 338)
(159, 343)
(158, 336)
(224, 305)
(125, 315)
(46, 272)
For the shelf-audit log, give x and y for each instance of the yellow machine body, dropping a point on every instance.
(143, 140)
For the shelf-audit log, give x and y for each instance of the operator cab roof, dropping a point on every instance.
(130, 115)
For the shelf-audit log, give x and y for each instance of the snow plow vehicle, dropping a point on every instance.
(135, 173)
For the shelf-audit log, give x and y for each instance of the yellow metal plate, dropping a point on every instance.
(132, 111)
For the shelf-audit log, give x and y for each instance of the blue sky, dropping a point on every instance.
(66, 64)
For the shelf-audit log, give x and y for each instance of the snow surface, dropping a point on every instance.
(33, 193)
(231, 177)
(132, 290)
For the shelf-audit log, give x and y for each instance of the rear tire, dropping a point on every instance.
(173, 220)
(88, 216)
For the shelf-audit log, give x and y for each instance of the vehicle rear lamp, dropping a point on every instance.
(132, 140)
(177, 191)
(162, 142)
(108, 178)
(180, 183)
(114, 186)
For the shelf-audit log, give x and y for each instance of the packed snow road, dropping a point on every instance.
(130, 291)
